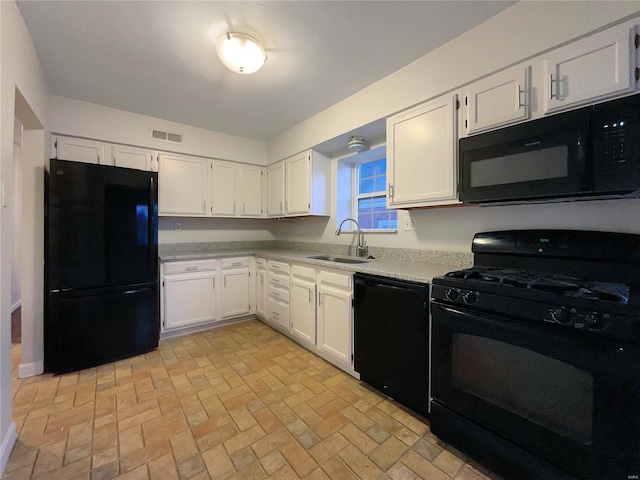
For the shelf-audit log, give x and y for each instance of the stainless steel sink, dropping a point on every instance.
(331, 258)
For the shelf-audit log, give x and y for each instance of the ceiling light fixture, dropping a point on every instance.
(240, 53)
(356, 144)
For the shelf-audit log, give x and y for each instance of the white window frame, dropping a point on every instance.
(356, 196)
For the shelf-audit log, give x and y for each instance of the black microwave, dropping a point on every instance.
(590, 152)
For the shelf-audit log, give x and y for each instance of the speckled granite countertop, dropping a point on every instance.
(405, 270)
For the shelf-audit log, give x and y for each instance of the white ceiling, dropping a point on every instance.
(158, 58)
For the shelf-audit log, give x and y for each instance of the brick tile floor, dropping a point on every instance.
(236, 402)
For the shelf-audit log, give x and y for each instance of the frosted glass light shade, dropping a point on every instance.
(240, 53)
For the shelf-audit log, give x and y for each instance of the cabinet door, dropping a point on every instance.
(275, 184)
(223, 188)
(303, 310)
(596, 67)
(132, 157)
(79, 150)
(234, 300)
(298, 184)
(251, 191)
(421, 160)
(334, 323)
(189, 299)
(182, 185)
(261, 293)
(497, 100)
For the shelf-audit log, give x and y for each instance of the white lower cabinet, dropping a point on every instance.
(188, 293)
(335, 315)
(303, 303)
(261, 287)
(234, 287)
(278, 293)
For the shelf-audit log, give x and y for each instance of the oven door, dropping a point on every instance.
(573, 402)
(541, 159)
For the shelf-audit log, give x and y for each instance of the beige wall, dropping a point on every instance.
(82, 119)
(19, 70)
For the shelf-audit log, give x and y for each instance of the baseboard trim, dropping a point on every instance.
(8, 442)
(16, 305)
(30, 369)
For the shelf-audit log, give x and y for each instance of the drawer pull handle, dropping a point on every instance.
(275, 294)
(236, 264)
(192, 268)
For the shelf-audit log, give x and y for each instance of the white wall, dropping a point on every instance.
(17, 215)
(19, 70)
(517, 33)
(213, 230)
(83, 119)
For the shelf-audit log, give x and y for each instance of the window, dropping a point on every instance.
(371, 197)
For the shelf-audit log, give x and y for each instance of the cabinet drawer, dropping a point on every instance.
(261, 263)
(281, 281)
(279, 293)
(278, 312)
(276, 266)
(237, 262)
(328, 278)
(303, 272)
(190, 266)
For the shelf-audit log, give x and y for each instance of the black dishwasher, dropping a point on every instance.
(392, 338)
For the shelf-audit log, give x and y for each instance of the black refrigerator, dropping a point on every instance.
(101, 265)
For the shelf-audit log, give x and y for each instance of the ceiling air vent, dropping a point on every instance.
(166, 136)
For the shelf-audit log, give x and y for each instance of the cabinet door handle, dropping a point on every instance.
(309, 295)
(551, 82)
(319, 299)
(520, 103)
(214, 282)
(390, 191)
(244, 207)
(261, 280)
(234, 207)
(225, 281)
(281, 209)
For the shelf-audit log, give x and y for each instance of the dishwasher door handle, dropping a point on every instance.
(382, 284)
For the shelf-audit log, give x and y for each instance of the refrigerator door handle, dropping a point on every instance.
(151, 224)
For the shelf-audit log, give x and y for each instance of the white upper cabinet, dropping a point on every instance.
(497, 100)
(275, 189)
(251, 191)
(421, 155)
(80, 150)
(223, 188)
(298, 185)
(133, 157)
(183, 185)
(596, 67)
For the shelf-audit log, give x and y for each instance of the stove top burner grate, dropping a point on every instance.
(547, 282)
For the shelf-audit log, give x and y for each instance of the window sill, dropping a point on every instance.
(370, 231)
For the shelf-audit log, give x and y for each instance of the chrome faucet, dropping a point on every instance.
(361, 249)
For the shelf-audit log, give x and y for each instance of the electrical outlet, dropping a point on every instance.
(300, 229)
(409, 222)
(178, 225)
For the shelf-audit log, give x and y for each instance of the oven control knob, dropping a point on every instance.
(592, 320)
(469, 297)
(560, 315)
(452, 294)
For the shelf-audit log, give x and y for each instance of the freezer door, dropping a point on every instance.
(101, 226)
(89, 328)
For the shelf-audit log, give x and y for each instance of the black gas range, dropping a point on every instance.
(536, 354)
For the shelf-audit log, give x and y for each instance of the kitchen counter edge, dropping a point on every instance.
(412, 271)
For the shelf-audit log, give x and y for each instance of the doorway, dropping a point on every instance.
(16, 294)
